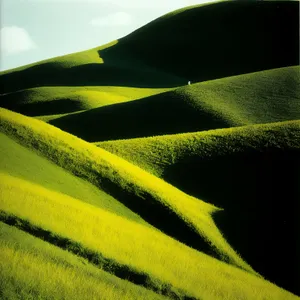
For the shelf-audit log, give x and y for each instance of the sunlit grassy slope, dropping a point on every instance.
(169, 266)
(33, 269)
(205, 215)
(61, 100)
(156, 154)
(253, 172)
(19, 161)
(262, 97)
(163, 262)
(244, 36)
(154, 200)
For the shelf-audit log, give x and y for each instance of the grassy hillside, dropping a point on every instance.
(141, 254)
(87, 68)
(252, 172)
(244, 37)
(154, 200)
(262, 97)
(61, 100)
(189, 192)
(33, 269)
(158, 153)
(20, 162)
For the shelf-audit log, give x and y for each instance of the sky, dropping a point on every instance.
(33, 30)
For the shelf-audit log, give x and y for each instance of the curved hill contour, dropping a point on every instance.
(51, 101)
(262, 97)
(252, 172)
(190, 191)
(212, 41)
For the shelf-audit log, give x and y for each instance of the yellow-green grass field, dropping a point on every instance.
(262, 97)
(166, 262)
(50, 101)
(33, 269)
(189, 218)
(118, 180)
(23, 163)
(252, 172)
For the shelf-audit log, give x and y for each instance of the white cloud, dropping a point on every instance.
(14, 40)
(116, 19)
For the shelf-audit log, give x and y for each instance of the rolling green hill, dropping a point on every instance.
(118, 180)
(263, 97)
(217, 40)
(138, 190)
(139, 252)
(20, 162)
(249, 171)
(212, 41)
(48, 101)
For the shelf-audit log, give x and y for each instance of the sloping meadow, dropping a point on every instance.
(144, 250)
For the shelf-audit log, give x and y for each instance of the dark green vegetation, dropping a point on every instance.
(241, 100)
(211, 41)
(50, 101)
(189, 191)
(219, 40)
(248, 171)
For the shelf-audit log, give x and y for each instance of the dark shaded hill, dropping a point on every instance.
(198, 43)
(262, 97)
(218, 40)
(252, 172)
(155, 115)
(92, 74)
(259, 191)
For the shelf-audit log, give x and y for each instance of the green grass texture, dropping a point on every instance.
(249, 171)
(146, 252)
(167, 266)
(121, 180)
(47, 102)
(262, 97)
(189, 218)
(21, 162)
(54, 273)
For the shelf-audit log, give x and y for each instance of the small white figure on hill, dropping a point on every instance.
(189, 83)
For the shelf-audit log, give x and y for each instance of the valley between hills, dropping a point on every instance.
(119, 180)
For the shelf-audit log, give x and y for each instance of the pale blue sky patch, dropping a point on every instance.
(33, 30)
(115, 19)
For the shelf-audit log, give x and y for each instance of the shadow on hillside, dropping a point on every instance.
(96, 258)
(200, 44)
(107, 74)
(218, 40)
(165, 113)
(155, 213)
(260, 194)
(57, 106)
